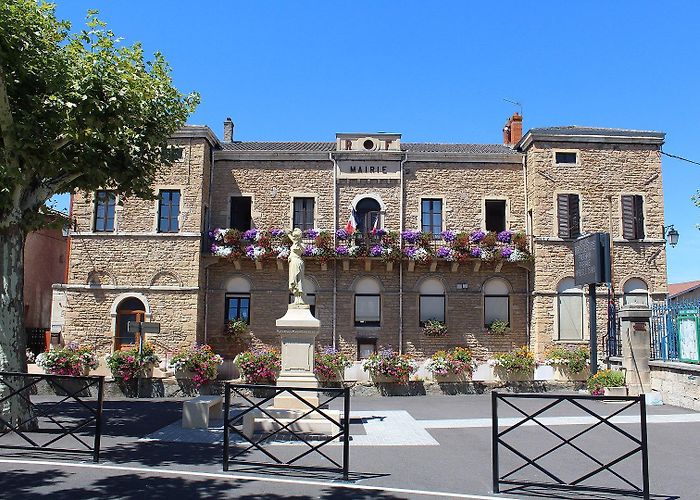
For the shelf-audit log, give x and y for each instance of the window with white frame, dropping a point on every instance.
(431, 302)
(496, 301)
(368, 302)
(570, 310)
(635, 292)
(495, 215)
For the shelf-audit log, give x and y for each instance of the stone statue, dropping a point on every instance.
(296, 267)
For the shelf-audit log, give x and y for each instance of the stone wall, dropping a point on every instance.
(678, 383)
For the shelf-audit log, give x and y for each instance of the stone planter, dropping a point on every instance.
(563, 374)
(502, 375)
(615, 391)
(452, 378)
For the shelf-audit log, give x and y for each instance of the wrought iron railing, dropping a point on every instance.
(41, 424)
(665, 325)
(252, 427)
(561, 471)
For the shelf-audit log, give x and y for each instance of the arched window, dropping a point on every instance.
(238, 299)
(130, 309)
(569, 310)
(496, 301)
(431, 303)
(310, 292)
(636, 292)
(367, 210)
(367, 302)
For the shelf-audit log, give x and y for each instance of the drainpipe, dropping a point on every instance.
(335, 264)
(528, 328)
(401, 228)
(207, 222)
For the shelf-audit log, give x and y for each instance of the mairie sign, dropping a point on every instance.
(359, 169)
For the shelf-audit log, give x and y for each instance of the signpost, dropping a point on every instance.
(142, 328)
(591, 267)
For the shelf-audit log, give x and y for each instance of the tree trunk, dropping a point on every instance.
(13, 342)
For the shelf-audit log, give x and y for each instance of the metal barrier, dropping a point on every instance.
(530, 418)
(241, 420)
(40, 425)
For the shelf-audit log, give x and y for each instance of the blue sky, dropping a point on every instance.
(436, 72)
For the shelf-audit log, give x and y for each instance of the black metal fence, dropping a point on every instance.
(556, 470)
(71, 417)
(257, 434)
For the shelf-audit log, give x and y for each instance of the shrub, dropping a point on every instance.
(605, 378)
(455, 362)
(129, 364)
(520, 360)
(199, 359)
(330, 364)
(388, 363)
(498, 326)
(259, 366)
(573, 360)
(69, 360)
(434, 328)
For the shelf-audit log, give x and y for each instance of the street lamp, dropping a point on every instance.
(672, 234)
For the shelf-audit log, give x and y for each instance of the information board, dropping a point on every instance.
(592, 259)
(688, 338)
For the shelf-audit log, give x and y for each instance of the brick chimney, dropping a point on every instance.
(513, 130)
(228, 130)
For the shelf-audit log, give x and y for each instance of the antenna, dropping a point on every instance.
(516, 103)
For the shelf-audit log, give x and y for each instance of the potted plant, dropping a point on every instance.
(259, 366)
(568, 364)
(516, 365)
(131, 364)
(71, 360)
(451, 366)
(607, 383)
(389, 366)
(330, 364)
(498, 327)
(236, 328)
(434, 328)
(198, 363)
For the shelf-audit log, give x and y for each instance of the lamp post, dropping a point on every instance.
(672, 235)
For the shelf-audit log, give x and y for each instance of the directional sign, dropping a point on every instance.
(150, 328)
(133, 327)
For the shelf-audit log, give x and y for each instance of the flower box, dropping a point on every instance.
(614, 391)
(503, 375)
(452, 378)
(563, 374)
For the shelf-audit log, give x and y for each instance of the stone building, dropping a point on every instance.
(500, 218)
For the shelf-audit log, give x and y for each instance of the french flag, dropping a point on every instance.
(376, 226)
(351, 226)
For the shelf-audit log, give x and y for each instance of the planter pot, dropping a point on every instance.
(615, 391)
(181, 374)
(563, 374)
(69, 385)
(146, 372)
(383, 379)
(502, 375)
(452, 378)
(34, 368)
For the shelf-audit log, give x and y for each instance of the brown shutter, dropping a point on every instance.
(563, 211)
(574, 216)
(638, 217)
(628, 218)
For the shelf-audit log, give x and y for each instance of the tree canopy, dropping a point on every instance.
(78, 111)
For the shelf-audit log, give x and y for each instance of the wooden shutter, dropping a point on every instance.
(563, 211)
(638, 217)
(574, 216)
(628, 220)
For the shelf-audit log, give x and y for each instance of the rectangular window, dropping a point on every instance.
(496, 307)
(367, 310)
(238, 307)
(565, 157)
(568, 213)
(632, 217)
(303, 213)
(365, 348)
(169, 211)
(105, 202)
(570, 316)
(240, 213)
(496, 215)
(431, 216)
(310, 299)
(431, 307)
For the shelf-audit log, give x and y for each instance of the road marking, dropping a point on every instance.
(219, 475)
(467, 423)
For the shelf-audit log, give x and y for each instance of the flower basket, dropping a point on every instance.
(568, 364)
(198, 363)
(259, 366)
(515, 366)
(602, 382)
(563, 373)
(615, 391)
(132, 364)
(455, 365)
(388, 366)
(70, 360)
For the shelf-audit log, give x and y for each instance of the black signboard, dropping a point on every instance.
(592, 259)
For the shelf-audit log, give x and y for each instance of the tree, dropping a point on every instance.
(78, 111)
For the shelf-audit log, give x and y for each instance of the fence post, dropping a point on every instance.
(645, 448)
(346, 433)
(227, 406)
(494, 441)
(98, 420)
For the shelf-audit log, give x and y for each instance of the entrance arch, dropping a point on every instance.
(128, 309)
(368, 212)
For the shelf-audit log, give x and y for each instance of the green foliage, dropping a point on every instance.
(388, 363)
(259, 366)
(434, 328)
(236, 328)
(574, 360)
(520, 360)
(605, 378)
(129, 364)
(330, 364)
(498, 326)
(78, 111)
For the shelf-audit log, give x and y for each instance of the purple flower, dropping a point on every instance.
(448, 235)
(506, 251)
(330, 350)
(477, 235)
(444, 252)
(308, 250)
(250, 234)
(214, 248)
(341, 250)
(409, 252)
(504, 236)
(250, 251)
(277, 233)
(475, 252)
(375, 251)
(342, 234)
(410, 236)
(380, 232)
(310, 234)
